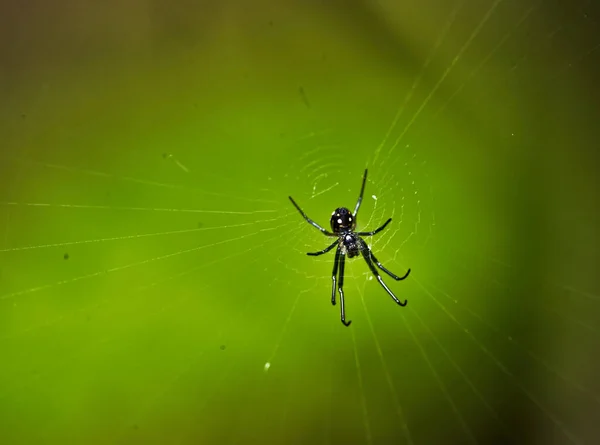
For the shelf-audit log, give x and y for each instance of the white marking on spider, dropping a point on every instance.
(339, 220)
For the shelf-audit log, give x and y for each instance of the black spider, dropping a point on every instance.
(350, 243)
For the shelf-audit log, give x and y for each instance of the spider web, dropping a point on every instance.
(166, 292)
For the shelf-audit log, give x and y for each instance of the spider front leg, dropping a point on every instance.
(382, 267)
(339, 262)
(368, 256)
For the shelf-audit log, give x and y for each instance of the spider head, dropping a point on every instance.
(350, 245)
(342, 220)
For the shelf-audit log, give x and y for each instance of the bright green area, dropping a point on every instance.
(154, 286)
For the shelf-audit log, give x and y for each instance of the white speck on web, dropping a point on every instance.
(267, 366)
(374, 197)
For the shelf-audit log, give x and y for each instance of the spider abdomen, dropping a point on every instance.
(342, 220)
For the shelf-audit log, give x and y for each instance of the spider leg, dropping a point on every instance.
(341, 290)
(339, 264)
(310, 221)
(336, 263)
(325, 250)
(360, 197)
(366, 253)
(376, 230)
(382, 267)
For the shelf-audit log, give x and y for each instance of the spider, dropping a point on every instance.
(350, 243)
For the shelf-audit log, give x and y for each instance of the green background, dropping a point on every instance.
(154, 286)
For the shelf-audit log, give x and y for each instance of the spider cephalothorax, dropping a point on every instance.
(349, 243)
